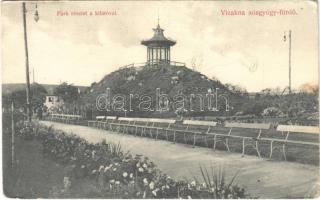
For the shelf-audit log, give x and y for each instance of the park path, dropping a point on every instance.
(261, 178)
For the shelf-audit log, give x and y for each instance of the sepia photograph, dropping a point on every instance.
(160, 99)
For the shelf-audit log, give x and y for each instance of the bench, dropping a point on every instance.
(124, 124)
(247, 140)
(136, 123)
(156, 123)
(101, 121)
(149, 125)
(111, 118)
(65, 118)
(55, 117)
(114, 124)
(146, 124)
(100, 118)
(198, 123)
(95, 123)
(287, 130)
(207, 125)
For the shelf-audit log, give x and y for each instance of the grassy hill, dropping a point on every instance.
(171, 80)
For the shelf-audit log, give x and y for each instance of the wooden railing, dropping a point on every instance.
(137, 65)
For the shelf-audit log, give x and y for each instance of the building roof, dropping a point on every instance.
(158, 39)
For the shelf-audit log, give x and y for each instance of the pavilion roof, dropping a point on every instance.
(158, 38)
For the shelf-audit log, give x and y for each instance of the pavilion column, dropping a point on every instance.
(166, 50)
(156, 54)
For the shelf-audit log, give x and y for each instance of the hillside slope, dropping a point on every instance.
(171, 80)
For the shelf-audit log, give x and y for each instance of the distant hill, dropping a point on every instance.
(8, 88)
(171, 80)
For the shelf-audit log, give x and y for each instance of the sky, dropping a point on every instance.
(248, 51)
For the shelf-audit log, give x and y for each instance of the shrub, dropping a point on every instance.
(271, 112)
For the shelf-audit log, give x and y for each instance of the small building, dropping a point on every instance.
(158, 47)
(53, 102)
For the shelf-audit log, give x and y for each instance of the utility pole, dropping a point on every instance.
(33, 81)
(24, 10)
(36, 18)
(289, 61)
(12, 135)
(284, 39)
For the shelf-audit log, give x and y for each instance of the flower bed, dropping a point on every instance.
(121, 175)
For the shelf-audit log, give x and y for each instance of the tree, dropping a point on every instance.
(67, 92)
(236, 89)
(271, 91)
(254, 107)
(37, 94)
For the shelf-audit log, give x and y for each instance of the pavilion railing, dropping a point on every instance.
(171, 63)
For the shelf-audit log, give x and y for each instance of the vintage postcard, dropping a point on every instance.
(160, 99)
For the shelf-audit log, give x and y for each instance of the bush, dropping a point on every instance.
(271, 112)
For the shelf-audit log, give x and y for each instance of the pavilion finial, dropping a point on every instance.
(158, 20)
